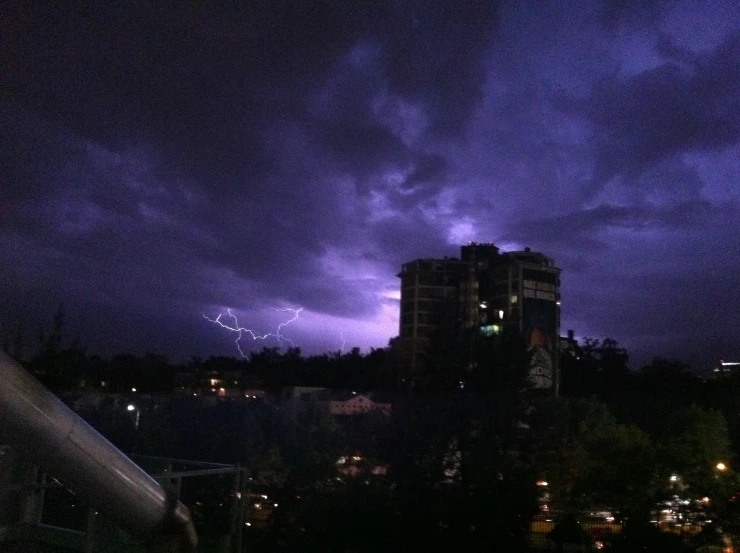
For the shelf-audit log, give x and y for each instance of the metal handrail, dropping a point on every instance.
(181, 461)
(39, 425)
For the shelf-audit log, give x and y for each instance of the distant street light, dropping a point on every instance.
(130, 407)
(721, 467)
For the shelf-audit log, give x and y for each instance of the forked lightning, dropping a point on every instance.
(240, 330)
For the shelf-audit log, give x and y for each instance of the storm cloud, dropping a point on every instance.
(162, 161)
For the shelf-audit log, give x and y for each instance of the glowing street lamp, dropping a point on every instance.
(130, 407)
(721, 467)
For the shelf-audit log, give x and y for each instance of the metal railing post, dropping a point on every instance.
(90, 530)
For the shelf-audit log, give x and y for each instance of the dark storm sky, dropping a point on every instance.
(161, 162)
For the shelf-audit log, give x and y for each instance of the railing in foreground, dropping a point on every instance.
(38, 514)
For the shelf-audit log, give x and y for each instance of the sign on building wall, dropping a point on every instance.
(540, 324)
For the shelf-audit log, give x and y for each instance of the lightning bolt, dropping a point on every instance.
(344, 342)
(241, 331)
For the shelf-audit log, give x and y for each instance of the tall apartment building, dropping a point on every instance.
(487, 289)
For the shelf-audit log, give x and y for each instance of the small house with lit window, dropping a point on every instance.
(358, 404)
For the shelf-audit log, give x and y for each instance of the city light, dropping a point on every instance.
(133, 389)
(721, 466)
(130, 408)
(674, 477)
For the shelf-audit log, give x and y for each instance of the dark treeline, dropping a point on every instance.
(596, 368)
(270, 369)
(647, 397)
(651, 397)
(64, 364)
(463, 450)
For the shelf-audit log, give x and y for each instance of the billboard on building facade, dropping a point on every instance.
(540, 324)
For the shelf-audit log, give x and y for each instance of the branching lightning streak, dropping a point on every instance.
(240, 330)
(344, 342)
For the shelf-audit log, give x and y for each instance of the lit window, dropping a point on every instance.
(514, 298)
(489, 330)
